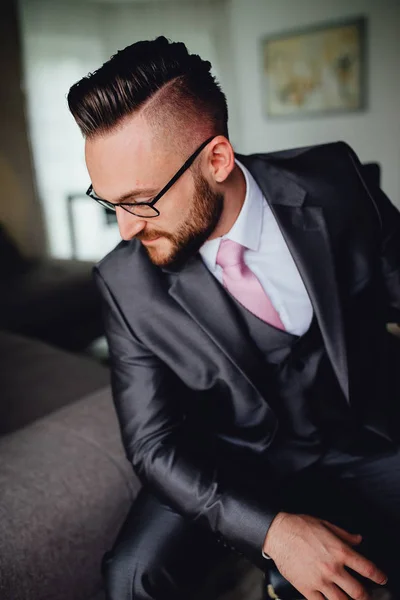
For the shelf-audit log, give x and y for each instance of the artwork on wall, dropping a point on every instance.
(315, 70)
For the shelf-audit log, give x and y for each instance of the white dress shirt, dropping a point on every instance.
(268, 257)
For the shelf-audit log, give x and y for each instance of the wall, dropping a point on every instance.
(374, 134)
(19, 208)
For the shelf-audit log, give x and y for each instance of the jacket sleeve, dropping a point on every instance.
(152, 426)
(389, 224)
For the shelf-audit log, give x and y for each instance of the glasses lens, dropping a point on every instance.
(142, 210)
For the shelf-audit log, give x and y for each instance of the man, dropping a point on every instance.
(245, 311)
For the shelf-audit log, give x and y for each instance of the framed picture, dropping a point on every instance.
(316, 70)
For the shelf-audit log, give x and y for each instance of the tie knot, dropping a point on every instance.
(230, 254)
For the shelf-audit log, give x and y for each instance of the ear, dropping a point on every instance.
(220, 159)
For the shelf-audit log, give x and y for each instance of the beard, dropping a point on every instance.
(205, 212)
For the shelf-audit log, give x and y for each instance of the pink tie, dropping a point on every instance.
(241, 282)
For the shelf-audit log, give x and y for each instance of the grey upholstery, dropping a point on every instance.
(36, 379)
(65, 487)
(65, 483)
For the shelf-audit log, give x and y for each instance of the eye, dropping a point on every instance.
(144, 200)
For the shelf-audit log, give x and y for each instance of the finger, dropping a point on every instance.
(351, 538)
(333, 592)
(365, 567)
(352, 587)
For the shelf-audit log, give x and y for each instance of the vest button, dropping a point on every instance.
(300, 364)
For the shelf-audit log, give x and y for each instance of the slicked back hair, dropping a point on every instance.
(173, 88)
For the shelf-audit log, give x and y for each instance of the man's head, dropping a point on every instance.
(143, 113)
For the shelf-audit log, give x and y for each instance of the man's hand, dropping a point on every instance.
(313, 554)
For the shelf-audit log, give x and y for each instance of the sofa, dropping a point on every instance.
(65, 484)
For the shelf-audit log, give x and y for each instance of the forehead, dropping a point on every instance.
(128, 157)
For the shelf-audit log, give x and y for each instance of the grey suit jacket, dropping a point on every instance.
(187, 386)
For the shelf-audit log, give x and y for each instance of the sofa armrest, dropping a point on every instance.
(65, 488)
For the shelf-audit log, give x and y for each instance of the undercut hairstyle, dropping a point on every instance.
(175, 90)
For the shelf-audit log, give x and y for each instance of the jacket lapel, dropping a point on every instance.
(306, 234)
(203, 297)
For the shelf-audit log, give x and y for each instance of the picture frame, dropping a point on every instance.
(316, 70)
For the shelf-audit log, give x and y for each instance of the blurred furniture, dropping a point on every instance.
(49, 299)
(65, 483)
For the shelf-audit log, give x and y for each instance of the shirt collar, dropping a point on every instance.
(246, 230)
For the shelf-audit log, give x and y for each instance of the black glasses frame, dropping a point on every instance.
(129, 205)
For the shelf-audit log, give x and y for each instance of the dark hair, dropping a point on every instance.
(181, 84)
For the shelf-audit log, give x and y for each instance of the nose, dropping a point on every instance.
(129, 225)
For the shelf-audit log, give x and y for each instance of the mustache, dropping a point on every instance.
(151, 235)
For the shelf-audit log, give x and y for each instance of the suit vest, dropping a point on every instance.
(302, 389)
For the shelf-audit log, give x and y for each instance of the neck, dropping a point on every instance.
(234, 195)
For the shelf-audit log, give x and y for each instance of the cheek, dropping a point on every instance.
(185, 198)
(176, 205)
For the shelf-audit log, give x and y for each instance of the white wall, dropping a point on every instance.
(375, 133)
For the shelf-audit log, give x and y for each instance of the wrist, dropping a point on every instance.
(273, 531)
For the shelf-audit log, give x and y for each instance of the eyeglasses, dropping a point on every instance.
(147, 210)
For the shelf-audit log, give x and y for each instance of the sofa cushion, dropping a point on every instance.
(65, 489)
(36, 379)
